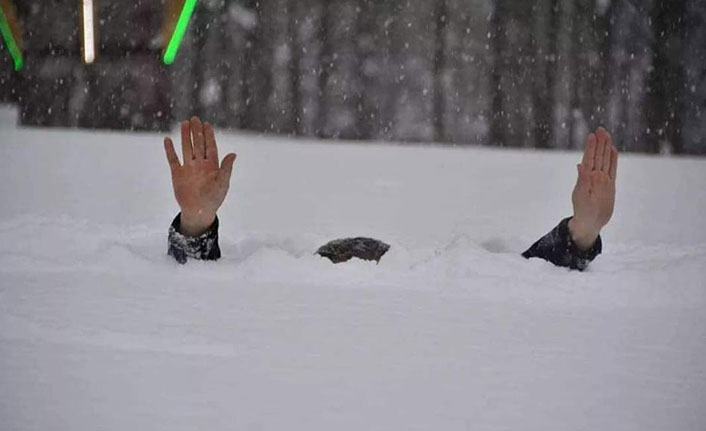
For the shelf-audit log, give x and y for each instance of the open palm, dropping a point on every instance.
(200, 185)
(594, 195)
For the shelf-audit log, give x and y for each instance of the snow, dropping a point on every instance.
(99, 329)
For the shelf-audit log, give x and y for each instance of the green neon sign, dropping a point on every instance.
(15, 51)
(178, 35)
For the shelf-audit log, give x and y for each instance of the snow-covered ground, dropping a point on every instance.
(453, 330)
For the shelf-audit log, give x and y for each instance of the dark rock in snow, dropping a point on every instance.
(341, 250)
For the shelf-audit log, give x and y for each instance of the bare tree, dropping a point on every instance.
(498, 41)
(544, 48)
(295, 43)
(442, 19)
(665, 76)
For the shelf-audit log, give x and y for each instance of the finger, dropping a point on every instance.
(210, 137)
(590, 152)
(227, 169)
(600, 147)
(187, 152)
(172, 157)
(595, 181)
(613, 164)
(606, 153)
(197, 134)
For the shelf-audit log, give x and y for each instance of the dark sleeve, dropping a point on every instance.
(202, 247)
(558, 248)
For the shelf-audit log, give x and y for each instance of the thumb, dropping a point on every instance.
(584, 179)
(227, 168)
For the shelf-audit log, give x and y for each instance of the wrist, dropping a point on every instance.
(582, 234)
(195, 223)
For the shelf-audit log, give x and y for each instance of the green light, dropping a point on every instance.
(15, 51)
(181, 25)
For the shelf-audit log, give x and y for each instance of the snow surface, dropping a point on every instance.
(453, 330)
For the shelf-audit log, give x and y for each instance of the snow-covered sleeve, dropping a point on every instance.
(558, 248)
(203, 247)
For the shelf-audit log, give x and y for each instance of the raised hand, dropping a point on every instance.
(200, 185)
(594, 195)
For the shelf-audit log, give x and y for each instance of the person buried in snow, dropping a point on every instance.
(201, 185)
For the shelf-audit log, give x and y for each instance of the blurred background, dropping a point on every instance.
(512, 73)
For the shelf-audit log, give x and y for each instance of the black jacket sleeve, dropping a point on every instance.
(203, 247)
(558, 248)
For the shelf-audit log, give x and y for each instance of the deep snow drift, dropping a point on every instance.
(453, 330)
